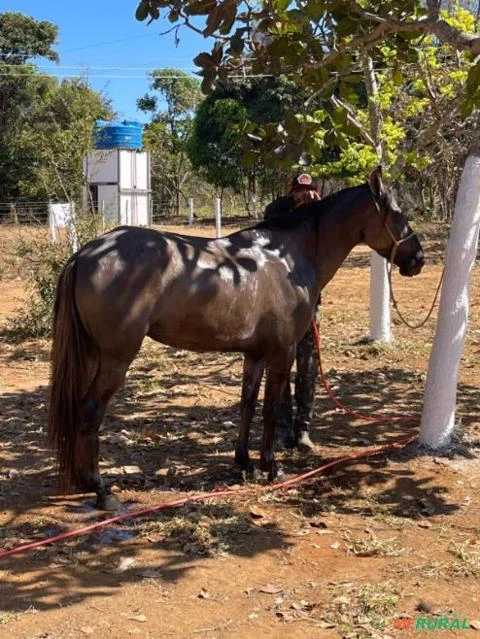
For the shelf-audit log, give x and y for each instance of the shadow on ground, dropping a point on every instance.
(172, 431)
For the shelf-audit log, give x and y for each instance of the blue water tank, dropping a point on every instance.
(126, 134)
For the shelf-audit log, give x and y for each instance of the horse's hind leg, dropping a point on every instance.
(252, 376)
(109, 378)
(278, 370)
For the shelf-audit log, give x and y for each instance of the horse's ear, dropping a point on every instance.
(375, 182)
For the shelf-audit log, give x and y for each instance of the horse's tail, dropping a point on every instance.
(71, 370)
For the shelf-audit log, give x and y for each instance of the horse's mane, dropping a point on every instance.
(312, 210)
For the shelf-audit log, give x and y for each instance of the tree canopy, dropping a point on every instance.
(45, 125)
(22, 37)
(423, 56)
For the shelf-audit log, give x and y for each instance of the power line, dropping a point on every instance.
(101, 44)
(88, 66)
(87, 76)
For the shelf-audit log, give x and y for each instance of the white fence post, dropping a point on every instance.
(102, 212)
(191, 211)
(52, 226)
(218, 216)
(254, 206)
(380, 326)
(72, 229)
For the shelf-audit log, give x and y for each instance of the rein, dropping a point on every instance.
(395, 303)
(396, 244)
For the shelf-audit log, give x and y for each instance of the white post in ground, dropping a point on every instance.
(191, 211)
(72, 227)
(438, 416)
(254, 206)
(218, 217)
(379, 300)
(52, 224)
(380, 327)
(102, 213)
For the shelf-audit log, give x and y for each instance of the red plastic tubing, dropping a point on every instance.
(217, 494)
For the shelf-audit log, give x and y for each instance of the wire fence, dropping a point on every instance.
(25, 213)
(195, 210)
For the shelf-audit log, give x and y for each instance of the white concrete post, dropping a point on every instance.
(380, 327)
(191, 211)
(52, 224)
(438, 416)
(218, 216)
(379, 300)
(254, 206)
(102, 213)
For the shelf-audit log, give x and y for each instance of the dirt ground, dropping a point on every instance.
(355, 553)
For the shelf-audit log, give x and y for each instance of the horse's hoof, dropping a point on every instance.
(276, 476)
(304, 443)
(108, 502)
(284, 441)
(257, 476)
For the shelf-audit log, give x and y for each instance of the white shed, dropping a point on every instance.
(119, 185)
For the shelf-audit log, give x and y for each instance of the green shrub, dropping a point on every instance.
(43, 262)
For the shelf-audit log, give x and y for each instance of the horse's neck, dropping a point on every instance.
(337, 234)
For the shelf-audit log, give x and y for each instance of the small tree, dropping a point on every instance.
(167, 135)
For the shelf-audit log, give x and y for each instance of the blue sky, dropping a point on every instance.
(105, 33)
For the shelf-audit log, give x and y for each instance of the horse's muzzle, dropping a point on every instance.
(413, 266)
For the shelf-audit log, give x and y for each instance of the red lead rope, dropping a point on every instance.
(248, 490)
(375, 420)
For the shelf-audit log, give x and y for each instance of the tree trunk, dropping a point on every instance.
(438, 417)
(379, 292)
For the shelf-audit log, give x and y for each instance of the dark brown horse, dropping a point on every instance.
(253, 292)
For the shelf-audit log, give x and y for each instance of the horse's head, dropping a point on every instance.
(389, 232)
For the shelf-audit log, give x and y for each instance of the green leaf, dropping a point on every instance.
(142, 11)
(467, 107)
(204, 60)
(199, 7)
(292, 124)
(348, 93)
(473, 78)
(340, 115)
(397, 76)
(249, 158)
(214, 19)
(281, 5)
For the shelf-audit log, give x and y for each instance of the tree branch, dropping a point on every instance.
(353, 119)
(433, 24)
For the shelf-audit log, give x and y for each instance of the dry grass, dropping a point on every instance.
(363, 611)
(372, 546)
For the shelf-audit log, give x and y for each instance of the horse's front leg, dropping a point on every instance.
(253, 367)
(278, 376)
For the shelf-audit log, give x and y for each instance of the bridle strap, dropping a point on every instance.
(396, 242)
(395, 245)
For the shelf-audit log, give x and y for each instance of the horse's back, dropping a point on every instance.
(117, 274)
(188, 292)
